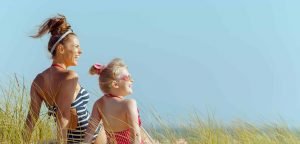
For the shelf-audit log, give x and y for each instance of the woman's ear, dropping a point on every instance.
(114, 84)
(60, 49)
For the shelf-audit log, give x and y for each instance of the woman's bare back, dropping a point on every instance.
(48, 85)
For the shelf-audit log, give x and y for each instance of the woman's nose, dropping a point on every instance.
(80, 51)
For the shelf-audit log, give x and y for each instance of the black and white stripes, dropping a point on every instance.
(80, 104)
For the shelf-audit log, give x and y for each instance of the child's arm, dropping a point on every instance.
(132, 118)
(93, 122)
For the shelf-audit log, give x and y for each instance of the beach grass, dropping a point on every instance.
(14, 97)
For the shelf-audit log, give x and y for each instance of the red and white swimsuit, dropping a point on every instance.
(122, 137)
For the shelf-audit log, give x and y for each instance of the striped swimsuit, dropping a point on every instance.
(80, 104)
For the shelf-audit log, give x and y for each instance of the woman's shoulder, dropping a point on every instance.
(38, 78)
(70, 74)
(69, 79)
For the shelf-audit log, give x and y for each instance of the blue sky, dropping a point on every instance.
(236, 59)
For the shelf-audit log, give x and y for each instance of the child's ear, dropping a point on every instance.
(114, 84)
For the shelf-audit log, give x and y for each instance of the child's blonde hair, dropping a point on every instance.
(108, 73)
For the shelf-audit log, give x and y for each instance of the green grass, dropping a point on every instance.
(14, 103)
(14, 96)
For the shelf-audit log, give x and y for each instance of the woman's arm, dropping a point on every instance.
(132, 118)
(93, 123)
(64, 100)
(33, 113)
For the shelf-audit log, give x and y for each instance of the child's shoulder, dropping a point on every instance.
(99, 100)
(130, 103)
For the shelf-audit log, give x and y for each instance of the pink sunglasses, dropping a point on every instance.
(126, 78)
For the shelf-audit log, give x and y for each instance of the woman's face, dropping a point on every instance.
(125, 82)
(72, 51)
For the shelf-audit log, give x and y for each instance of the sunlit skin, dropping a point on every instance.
(56, 86)
(117, 113)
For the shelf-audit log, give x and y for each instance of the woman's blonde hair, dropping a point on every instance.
(108, 73)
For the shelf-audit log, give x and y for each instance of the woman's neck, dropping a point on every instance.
(60, 65)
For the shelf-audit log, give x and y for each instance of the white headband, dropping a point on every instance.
(64, 35)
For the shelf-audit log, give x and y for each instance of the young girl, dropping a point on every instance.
(120, 116)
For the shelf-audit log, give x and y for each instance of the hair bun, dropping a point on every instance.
(97, 69)
(58, 25)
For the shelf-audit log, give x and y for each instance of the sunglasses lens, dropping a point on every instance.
(127, 78)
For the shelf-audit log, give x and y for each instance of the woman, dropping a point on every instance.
(120, 116)
(58, 87)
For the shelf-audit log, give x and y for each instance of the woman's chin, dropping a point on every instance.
(74, 63)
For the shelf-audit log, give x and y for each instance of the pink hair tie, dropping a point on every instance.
(99, 68)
